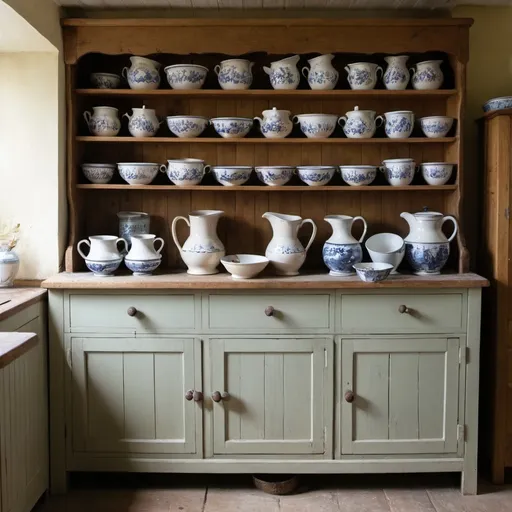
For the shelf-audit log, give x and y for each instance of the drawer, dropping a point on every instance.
(154, 313)
(403, 313)
(289, 313)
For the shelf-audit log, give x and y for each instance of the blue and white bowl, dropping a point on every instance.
(142, 267)
(138, 173)
(436, 173)
(103, 268)
(498, 103)
(186, 76)
(232, 127)
(316, 175)
(399, 124)
(275, 175)
(231, 175)
(399, 171)
(187, 127)
(358, 175)
(427, 259)
(105, 80)
(317, 126)
(435, 127)
(98, 173)
(185, 172)
(373, 272)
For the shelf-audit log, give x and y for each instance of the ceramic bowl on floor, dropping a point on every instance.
(373, 272)
(386, 248)
(358, 175)
(187, 126)
(275, 175)
(232, 127)
(435, 127)
(98, 173)
(498, 103)
(138, 173)
(105, 80)
(142, 267)
(244, 266)
(186, 76)
(103, 268)
(436, 173)
(316, 175)
(231, 175)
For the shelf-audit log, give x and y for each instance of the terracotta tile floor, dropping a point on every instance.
(227, 493)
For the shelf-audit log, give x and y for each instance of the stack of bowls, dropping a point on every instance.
(386, 248)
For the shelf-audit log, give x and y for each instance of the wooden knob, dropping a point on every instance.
(269, 311)
(349, 397)
(403, 309)
(189, 395)
(132, 311)
(198, 396)
(217, 396)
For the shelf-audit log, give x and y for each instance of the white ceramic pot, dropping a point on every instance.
(244, 266)
(321, 74)
(274, 175)
(285, 251)
(399, 171)
(143, 73)
(342, 250)
(397, 75)
(202, 251)
(105, 80)
(435, 127)
(98, 173)
(9, 266)
(427, 75)
(284, 73)
(185, 172)
(360, 124)
(436, 173)
(103, 122)
(186, 76)
(316, 126)
(276, 124)
(187, 127)
(386, 248)
(231, 175)
(316, 175)
(133, 223)
(102, 248)
(363, 75)
(399, 124)
(136, 173)
(143, 122)
(358, 175)
(234, 73)
(143, 258)
(232, 127)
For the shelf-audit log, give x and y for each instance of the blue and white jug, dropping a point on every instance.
(397, 75)
(143, 73)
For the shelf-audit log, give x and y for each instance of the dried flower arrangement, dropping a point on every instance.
(9, 235)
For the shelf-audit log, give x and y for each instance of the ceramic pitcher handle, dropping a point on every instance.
(377, 71)
(217, 69)
(313, 234)
(377, 119)
(124, 72)
(258, 119)
(342, 118)
(163, 168)
(125, 244)
(305, 72)
(365, 226)
(87, 116)
(412, 71)
(173, 229)
(455, 226)
(207, 168)
(295, 119)
(80, 250)
(159, 250)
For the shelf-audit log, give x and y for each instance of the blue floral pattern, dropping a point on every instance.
(239, 127)
(398, 125)
(274, 176)
(103, 125)
(370, 275)
(142, 124)
(399, 173)
(232, 75)
(105, 81)
(140, 267)
(498, 104)
(427, 75)
(188, 127)
(315, 177)
(323, 77)
(231, 177)
(359, 77)
(202, 248)
(185, 173)
(282, 76)
(394, 75)
(287, 249)
(273, 127)
(143, 75)
(355, 177)
(138, 172)
(437, 172)
(356, 126)
(97, 174)
(427, 258)
(339, 258)
(103, 267)
(310, 128)
(183, 76)
(435, 127)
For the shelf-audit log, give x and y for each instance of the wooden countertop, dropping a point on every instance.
(15, 299)
(223, 281)
(14, 345)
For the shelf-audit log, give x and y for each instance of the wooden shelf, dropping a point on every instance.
(265, 188)
(262, 140)
(269, 93)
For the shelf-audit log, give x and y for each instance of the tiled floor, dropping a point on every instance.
(385, 493)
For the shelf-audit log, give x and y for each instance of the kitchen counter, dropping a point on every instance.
(14, 344)
(13, 300)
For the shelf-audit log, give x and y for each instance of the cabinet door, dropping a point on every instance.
(280, 395)
(129, 395)
(405, 395)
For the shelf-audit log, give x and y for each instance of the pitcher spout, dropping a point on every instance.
(409, 217)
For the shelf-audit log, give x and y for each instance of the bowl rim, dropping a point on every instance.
(185, 160)
(226, 118)
(187, 117)
(105, 74)
(231, 167)
(367, 167)
(109, 166)
(399, 112)
(315, 167)
(436, 117)
(498, 98)
(280, 167)
(319, 114)
(371, 265)
(395, 251)
(140, 164)
(435, 163)
(262, 259)
(185, 65)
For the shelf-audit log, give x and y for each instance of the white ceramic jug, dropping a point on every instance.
(397, 75)
(202, 250)
(143, 248)
(428, 75)
(276, 124)
(143, 73)
(341, 251)
(363, 75)
(143, 122)
(102, 248)
(285, 251)
(321, 75)
(103, 122)
(234, 73)
(284, 73)
(360, 124)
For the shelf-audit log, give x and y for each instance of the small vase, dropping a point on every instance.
(397, 75)
(9, 265)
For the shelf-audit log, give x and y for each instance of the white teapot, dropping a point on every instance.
(284, 73)
(360, 124)
(276, 124)
(143, 122)
(321, 75)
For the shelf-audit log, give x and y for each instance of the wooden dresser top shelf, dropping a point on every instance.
(13, 300)
(14, 344)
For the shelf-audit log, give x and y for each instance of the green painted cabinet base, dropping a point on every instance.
(324, 385)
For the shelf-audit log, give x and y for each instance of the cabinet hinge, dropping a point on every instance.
(461, 433)
(507, 213)
(463, 355)
(325, 358)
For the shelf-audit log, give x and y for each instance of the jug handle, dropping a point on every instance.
(87, 116)
(412, 72)
(455, 226)
(313, 234)
(377, 72)
(258, 119)
(217, 69)
(163, 168)
(342, 118)
(159, 250)
(295, 119)
(173, 229)
(84, 241)
(125, 244)
(124, 72)
(379, 118)
(305, 72)
(365, 226)
(267, 70)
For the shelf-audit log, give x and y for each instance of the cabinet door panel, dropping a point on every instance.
(280, 395)
(406, 395)
(128, 395)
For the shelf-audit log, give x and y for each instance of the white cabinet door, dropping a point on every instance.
(129, 395)
(399, 395)
(280, 395)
